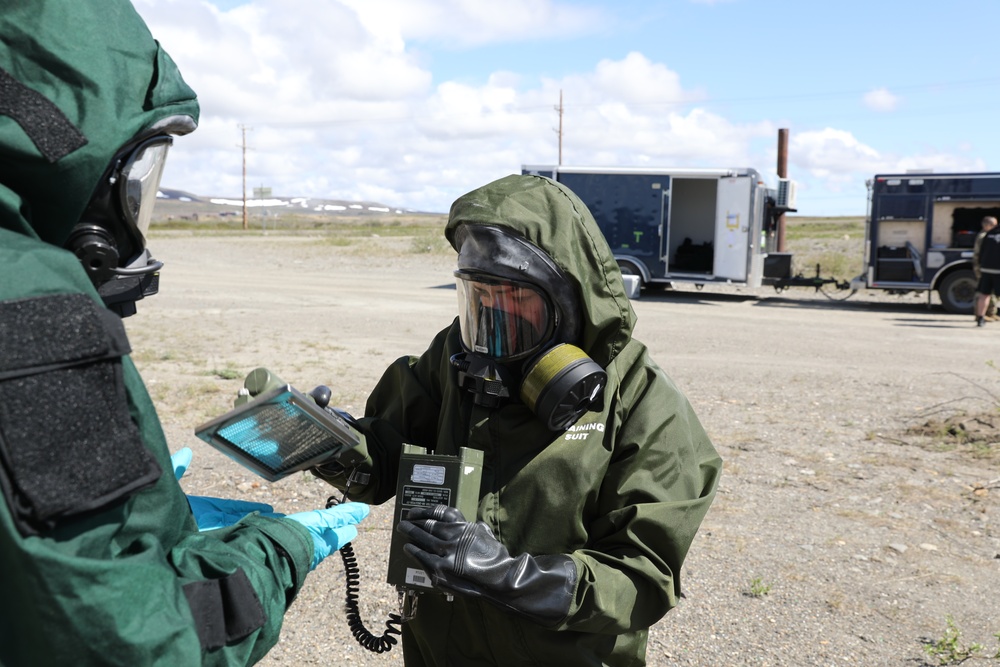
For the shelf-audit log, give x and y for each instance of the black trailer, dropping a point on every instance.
(920, 233)
(694, 226)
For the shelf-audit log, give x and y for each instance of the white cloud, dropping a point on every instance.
(463, 23)
(341, 106)
(835, 162)
(832, 154)
(880, 99)
(836, 155)
(637, 80)
(457, 110)
(263, 60)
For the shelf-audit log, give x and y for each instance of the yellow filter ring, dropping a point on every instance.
(548, 366)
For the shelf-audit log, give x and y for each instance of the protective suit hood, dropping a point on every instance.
(550, 216)
(66, 67)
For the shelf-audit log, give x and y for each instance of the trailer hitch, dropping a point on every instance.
(816, 282)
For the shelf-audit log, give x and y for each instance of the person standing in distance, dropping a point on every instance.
(989, 268)
(988, 223)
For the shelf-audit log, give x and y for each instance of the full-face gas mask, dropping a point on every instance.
(518, 317)
(110, 239)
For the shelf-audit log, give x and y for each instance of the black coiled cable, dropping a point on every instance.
(361, 633)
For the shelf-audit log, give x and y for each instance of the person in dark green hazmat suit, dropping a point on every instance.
(103, 559)
(597, 473)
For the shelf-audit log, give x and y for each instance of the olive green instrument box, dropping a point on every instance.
(424, 480)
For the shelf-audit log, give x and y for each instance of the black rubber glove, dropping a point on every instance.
(467, 559)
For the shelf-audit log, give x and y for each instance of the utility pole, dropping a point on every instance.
(244, 129)
(560, 131)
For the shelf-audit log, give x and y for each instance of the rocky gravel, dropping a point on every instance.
(855, 523)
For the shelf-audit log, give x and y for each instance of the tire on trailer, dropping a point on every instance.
(629, 268)
(958, 292)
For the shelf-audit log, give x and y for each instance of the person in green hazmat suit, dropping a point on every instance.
(103, 559)
(596, 471)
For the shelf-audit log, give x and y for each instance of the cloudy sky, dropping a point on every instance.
(411, 103)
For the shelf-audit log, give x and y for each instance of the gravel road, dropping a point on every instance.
(837, 537)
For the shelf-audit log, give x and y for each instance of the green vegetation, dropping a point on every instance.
(230, 372)
(835, 244)
(968, 425)
(419, 233)
(430, 243)
(949, 651)
(293, 224)
(811, 229)
(758, 588)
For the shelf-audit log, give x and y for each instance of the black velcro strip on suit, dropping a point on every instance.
(68, 445)
(45, 124)
(225, 610)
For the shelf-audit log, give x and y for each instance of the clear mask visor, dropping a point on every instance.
(140, 181)
(502, 319)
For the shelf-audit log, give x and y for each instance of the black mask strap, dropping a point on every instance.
(488, 381)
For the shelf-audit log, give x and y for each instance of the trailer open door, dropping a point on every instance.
(732, 227)
(665, 229)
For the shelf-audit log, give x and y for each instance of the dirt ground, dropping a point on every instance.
(858, 519)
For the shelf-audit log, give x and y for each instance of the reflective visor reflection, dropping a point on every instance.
(501, 319)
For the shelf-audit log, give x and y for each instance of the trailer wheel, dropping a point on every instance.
(630, 269)
(958, 292)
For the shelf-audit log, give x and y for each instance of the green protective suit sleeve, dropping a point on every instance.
(117, 586)
(114, 583)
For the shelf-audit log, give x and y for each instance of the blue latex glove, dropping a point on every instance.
(210, 512)
(220, 512)
(180, 461)
(331, 528)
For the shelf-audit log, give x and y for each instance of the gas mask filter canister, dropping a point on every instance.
(561, 385)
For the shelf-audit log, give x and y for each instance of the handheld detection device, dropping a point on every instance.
(275, 430)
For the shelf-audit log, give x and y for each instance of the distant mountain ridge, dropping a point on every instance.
(179, 203)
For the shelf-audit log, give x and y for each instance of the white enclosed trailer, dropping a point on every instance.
(695, 226)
